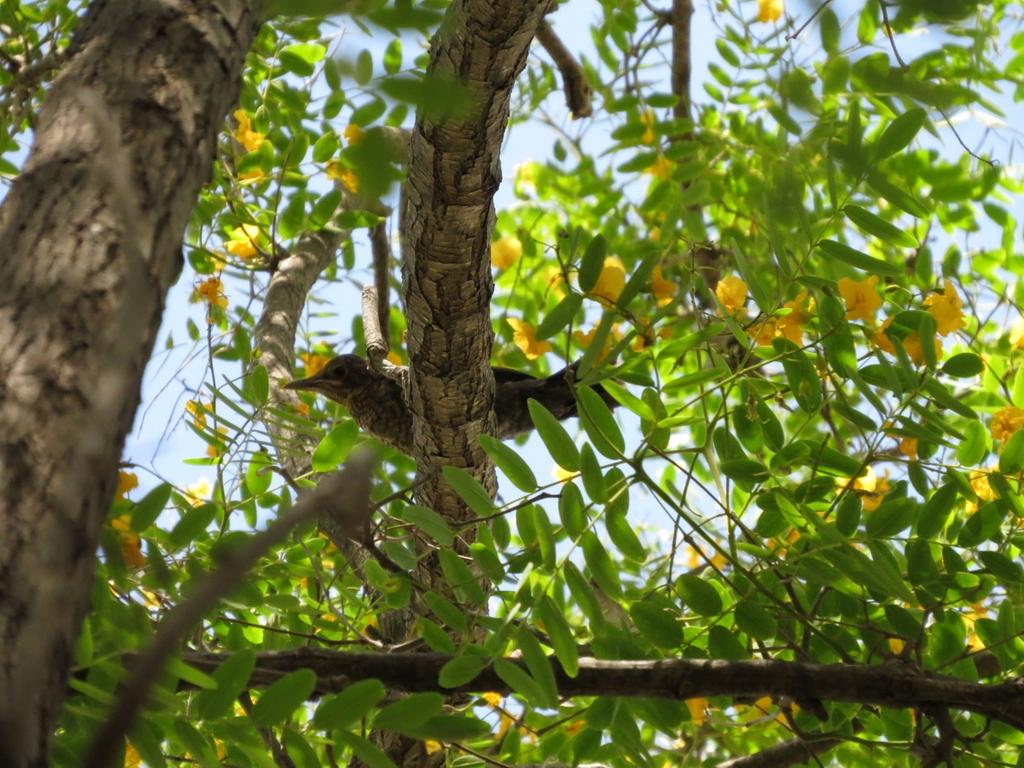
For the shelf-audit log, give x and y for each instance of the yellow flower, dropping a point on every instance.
(769, 10)
(198, 492)
(732, 292)
(394, 358)
(792, 325)
(245, 135)
(493, 699)
(313, 363)
(947, 309)
(908, 447)
(132, 759)
(555, 280)
(345, 176)
(302, 409)
(664, 291)
(353, 134)
(196, 409)
(523, 336)
(504, 725)
(126, 482)
(1017, 333)
(647, 119)
(431, 746)
(661, 168)
(213, 451)
(698, 710)
(211, 291)
(1005, 422)
(868, 486)
(243, 241)
(506, 251)
(251, 177)
(881, 339)
(526, 178)
(574, 727)
(765, 331)
(586, 339)
(861, 298)
(912, 344)
(563, 475)
(610, 282)
(896, 645)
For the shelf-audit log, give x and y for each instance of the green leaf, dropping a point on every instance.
(975, 444)
(602, 567)
(345, 709)
(393, 57)
(446, 611)
(656, 624)
(232, 677)
(453, 728)
(409, 712)
(365, 750)
(193, 523)
(429, 521)
(520, 681)
(461, 670)
(745, 471)
(511, 463)
(591, 474)
(259, 385)
(469, 489)
(621, 532)
(755, 620)
(300, 58)
(561, 447)
(592, 263)
(257, 475)
(559, 633)
(935, 512)
(963, 366)
(599, 423)
(858, 259)
(1011, 459)
(559, 317)
(540, 667)
(879, 227)
(190, 674)
(325, 147)
(149, 507)
(699, 595)
(900, 133)
(364, 67)
(335, 446)
(281, 699)
(460, 578)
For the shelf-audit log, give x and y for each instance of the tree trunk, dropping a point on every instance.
(454, 171)
(91, 235)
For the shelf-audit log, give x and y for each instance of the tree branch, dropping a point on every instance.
(795, 752)
(454, 171)
(574, 79)
(889, 685)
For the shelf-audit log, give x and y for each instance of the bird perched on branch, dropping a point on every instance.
(378, 405)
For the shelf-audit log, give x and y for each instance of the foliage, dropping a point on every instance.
(807, 301)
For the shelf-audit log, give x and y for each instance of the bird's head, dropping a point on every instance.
(339, 379)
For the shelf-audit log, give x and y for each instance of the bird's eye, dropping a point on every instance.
(336, 372)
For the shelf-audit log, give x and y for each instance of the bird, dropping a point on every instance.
(378, 406)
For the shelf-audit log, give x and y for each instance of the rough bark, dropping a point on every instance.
(890, 685)
(454, 171)
(91, 235)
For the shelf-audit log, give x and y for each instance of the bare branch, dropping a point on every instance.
(889, 685)
(381, 270)
(574, 79)
(346, 493)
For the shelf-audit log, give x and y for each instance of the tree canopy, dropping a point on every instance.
(781, 240)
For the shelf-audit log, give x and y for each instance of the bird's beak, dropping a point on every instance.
(310, 383)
